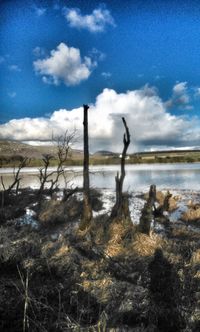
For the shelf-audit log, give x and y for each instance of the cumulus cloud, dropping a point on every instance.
(64, 65)
(180, 88)
(180, 97)
(149, 122)
(94, 22)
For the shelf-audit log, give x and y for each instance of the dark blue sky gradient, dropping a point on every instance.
(154, 42)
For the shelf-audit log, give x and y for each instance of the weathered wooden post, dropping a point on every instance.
(87, 209)
(147, 214)
(120, 208)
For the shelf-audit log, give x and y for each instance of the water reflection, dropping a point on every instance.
(138, 177)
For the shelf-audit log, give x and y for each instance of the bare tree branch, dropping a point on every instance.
(63, 147)
(24, 162)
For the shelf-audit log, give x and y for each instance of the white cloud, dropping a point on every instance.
(149, 123)
(40, 11)
(64, 65)
(97, 55)
(197, 92)
(180, 97)
(12, 94)
(14, 68)
(95, 22)
(38, 51)
(158, 77)
(180, 88)
(106, 75)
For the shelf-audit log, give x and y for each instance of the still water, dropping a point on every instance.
(138, 177)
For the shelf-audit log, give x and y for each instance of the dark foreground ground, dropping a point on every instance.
(110, 278)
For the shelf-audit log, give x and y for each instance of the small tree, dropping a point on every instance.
(16, 181)
(23, 163)
(52, 178)
(44, 174)
(120, 208)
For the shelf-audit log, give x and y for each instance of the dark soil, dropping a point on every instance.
(110, 278)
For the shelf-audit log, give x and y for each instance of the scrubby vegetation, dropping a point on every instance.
(110, 277)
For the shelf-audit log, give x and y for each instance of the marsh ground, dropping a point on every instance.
(111, 278)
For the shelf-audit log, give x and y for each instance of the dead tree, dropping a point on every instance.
(16, 182)
(63, 148)
(120, 208)
(43, 172)
(52, 178)
(87, 209)
(23, 163)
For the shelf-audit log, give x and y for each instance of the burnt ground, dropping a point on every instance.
(110, 278)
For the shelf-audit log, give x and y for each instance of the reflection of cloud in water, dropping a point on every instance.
(138, 177)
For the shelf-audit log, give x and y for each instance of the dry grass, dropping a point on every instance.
(197, 275)
(6, 247)
(100, 287)
(160, 196)
(195, 259)
(117, 231)
(145, 245)
(63, 250)
(47, 247)
(184, 233)
(139, 243)
(120, 234)
(80, 234)
(192, 214)
(100, 283)
(92, 269)
(28, 264)
(113, 250)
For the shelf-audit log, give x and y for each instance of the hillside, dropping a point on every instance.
(12, 148)
(11, 152)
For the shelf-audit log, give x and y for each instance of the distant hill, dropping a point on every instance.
(11, 153)
(12, 149)
(105, 153)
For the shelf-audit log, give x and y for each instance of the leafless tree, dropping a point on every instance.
(120, 205)
(87, 209)
(16, 181)
(44, 173)
(52, 177)
(23, 163)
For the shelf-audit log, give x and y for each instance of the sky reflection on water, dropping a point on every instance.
(138, 177)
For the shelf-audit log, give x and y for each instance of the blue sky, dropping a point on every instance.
(57, 55)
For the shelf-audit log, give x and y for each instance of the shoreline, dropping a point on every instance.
(79, 163)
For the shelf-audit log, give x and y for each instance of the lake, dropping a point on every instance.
(179, 176)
